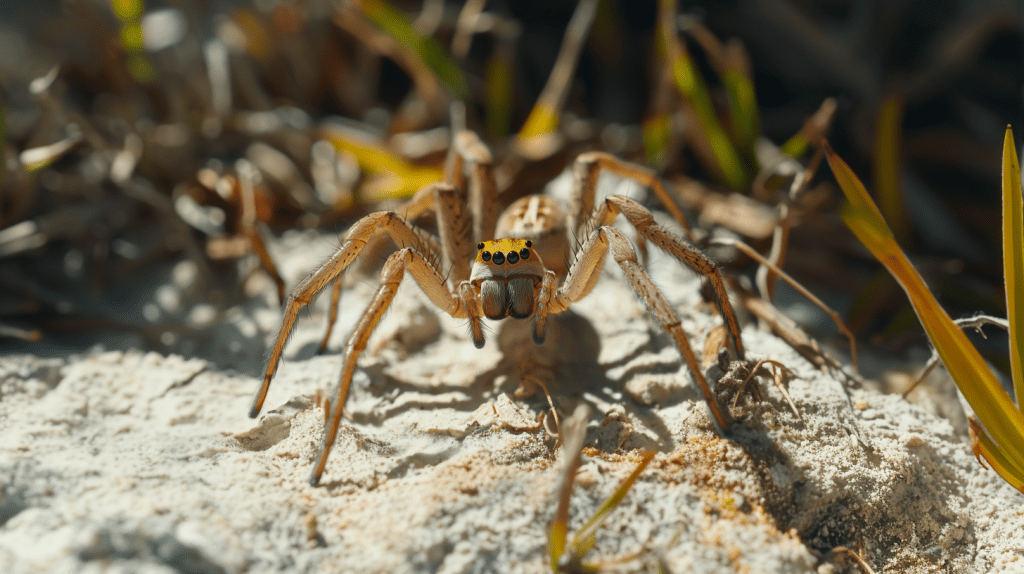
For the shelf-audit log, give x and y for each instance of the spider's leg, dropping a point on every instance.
(456, 233)
(432, 283)
(583, 275)
(640, 218)
(585, 171)
(332, 314)
(330, 270)
(482, 192)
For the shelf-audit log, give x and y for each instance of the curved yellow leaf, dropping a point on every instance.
(1013, 259)
(995, 410)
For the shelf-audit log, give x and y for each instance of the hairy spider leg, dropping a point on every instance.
(581, 279)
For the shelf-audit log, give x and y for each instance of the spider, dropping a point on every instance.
(507, 277)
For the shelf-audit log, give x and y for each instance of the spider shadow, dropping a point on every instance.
(568, 365)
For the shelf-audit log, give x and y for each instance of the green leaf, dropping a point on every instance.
(726, 162)
(397, 25)
(888, 135)
(613, 501)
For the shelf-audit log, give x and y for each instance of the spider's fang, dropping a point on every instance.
(513, 257)
(498, 258)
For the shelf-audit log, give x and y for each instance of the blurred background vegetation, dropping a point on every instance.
(146, 142)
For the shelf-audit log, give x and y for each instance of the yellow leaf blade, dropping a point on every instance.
(995, 409)
(541, 120)
(400, 178)
(613, 501)
(984, 447)
(888, 135)
(1013, 259)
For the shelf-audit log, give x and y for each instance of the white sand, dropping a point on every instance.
(137, 462)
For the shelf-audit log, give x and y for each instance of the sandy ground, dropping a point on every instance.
(127, 461)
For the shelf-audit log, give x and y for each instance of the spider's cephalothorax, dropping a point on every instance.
(507, 277)
(508, 274)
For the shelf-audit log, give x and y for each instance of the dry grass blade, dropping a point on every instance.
(836, 318)
(30, 335)
(975, 323)
(888, 138)
(856, 558)
(780, 237)
(543, 118)
(985, 449)
(574, 430)
(778, 370)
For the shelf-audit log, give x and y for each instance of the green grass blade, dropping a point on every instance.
(996, 411)
(1013, 260)
(500, 85)
(573, 433)
(743, 103)
(613, 501)
(888, 135)
(727, 164)
(812, 131)
(397, 25)
(657, 131)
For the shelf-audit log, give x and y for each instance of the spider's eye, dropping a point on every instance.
(525, 253)
(479, 246)
(499, 258)
(486, 255)
(528, 244)
(513, 257)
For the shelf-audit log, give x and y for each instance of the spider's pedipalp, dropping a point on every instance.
(471, 302)
(548, 288)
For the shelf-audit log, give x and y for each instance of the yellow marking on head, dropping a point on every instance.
(486, 251)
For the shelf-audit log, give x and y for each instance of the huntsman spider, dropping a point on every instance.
(508, 276)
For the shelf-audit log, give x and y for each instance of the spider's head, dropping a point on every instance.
(508, 273)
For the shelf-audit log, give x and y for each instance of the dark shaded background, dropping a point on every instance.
(98, 248)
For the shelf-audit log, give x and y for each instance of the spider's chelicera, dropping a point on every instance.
(519, 269)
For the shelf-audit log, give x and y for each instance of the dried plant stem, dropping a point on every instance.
(967, 323)
(752, 253)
